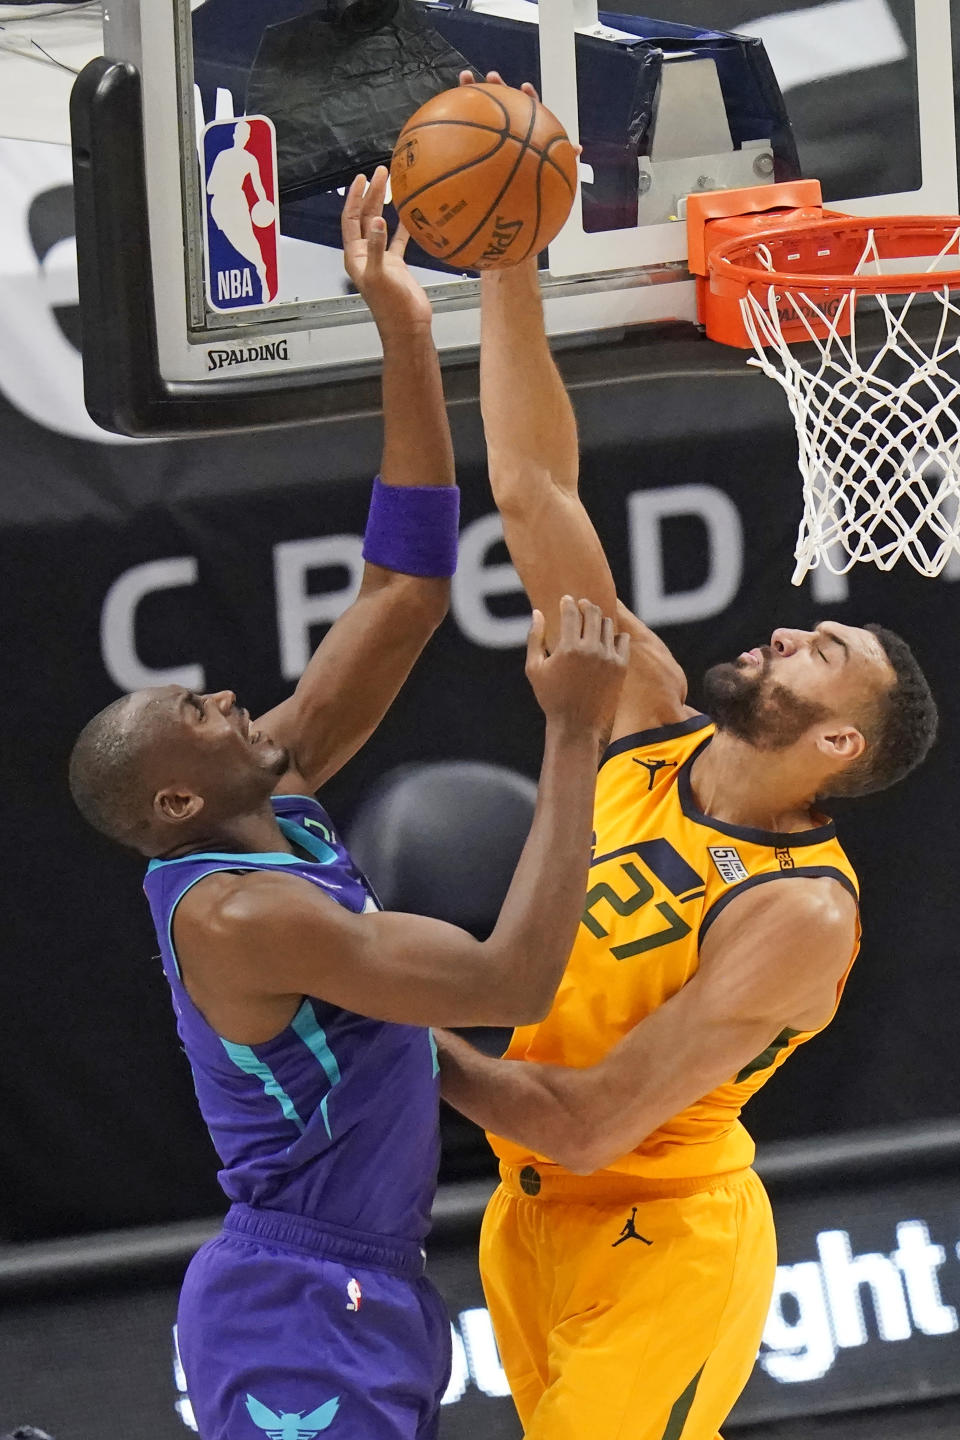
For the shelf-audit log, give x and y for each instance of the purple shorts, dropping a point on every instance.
(288, 1327)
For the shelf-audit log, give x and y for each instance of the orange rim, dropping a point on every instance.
(905, 235)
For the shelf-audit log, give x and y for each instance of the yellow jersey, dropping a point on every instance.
(660, 875)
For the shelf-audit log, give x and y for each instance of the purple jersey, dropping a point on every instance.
(336, 1118)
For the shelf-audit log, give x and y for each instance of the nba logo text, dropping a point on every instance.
(241, 213)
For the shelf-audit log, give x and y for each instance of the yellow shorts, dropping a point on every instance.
(625, 1308)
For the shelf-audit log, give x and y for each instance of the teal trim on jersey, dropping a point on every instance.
(300, 835)
(242, 861)
(315, 1038)
(319, 849)
(245, 1059)
(173, 910)
(433, 1052)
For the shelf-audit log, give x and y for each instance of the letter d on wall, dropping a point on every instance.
(647, 510)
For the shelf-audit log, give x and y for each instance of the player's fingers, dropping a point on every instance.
(467, 77)
(494, 77)
(398, 245)
(570, 621)
(592, 621)
(607, 635)
(376, 246)
(530, 90)
(536, 649)
(351, 225)
(622, 646)
(374, 198)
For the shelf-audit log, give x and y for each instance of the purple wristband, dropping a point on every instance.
(413, 528)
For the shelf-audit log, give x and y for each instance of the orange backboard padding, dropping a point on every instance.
(754, 200)
(718, 217)
(812, 255)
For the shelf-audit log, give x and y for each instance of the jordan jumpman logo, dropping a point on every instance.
(654, 767)
(630, 1232)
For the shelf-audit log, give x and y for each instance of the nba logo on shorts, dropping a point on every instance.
(241, 214)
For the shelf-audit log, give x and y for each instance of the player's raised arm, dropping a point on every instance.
(411, 539)
(768, 964)
(533, 450)
(534, 462)
(405, 967)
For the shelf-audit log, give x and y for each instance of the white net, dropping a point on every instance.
(877, 420)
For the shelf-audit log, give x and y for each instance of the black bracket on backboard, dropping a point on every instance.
(124, 390)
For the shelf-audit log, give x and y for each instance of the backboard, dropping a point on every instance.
(181, 339)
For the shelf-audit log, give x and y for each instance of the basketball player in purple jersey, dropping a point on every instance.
(301, 1006)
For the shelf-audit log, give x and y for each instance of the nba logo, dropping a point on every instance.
(241, 215)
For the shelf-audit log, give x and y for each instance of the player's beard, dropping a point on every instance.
(745, 704)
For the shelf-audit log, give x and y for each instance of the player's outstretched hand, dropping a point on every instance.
(376, 266)
(579, 682)
(493, 77)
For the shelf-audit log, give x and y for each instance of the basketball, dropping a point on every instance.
(483, 176)
(262, 214)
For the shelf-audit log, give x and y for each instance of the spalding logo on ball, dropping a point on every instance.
(483, 176)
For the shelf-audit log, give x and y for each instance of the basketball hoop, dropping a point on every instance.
(858, 320)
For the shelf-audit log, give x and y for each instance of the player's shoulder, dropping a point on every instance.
(223, 906)
(798, 911)
(659, 733)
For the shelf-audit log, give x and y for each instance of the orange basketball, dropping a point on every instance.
(483, 176)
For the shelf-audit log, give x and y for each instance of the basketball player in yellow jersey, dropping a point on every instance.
(628, 1256)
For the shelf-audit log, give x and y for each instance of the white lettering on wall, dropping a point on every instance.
(646, 512)
(803, 1348)
(847, 1276)
(475, 581)
(483, 1357)
(118, 621)
(826, 1302)
(816, 1310)
(298, 609)
(919, 1260)
(459, 1369)
(828, 588)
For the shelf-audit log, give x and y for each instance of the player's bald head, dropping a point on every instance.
(110, 770)
(165, 767)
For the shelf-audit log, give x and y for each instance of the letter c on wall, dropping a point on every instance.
(118, 622)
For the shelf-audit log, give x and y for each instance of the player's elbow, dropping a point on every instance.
(420, 605)
(513, 987)
(487, 994)
(518, 1009)
(537, 1002)
(593, 1133)
(523, 481)
(578, 1161)
(579, 1141)
(578, 1150)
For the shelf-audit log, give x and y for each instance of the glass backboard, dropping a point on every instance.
(663, 107)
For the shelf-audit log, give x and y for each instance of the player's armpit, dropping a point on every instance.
(249, 942)
(655, 690)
